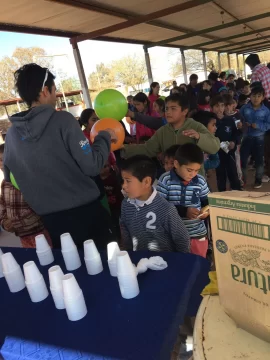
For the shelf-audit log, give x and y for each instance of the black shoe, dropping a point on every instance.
(257, 185)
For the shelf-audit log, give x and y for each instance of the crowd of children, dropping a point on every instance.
(155, 188)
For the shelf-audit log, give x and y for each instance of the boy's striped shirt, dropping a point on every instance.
(172, 188)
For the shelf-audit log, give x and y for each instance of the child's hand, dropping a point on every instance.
(239, 125)
(254, 126)
(113, 135)
(192, 134)
(130, 114)
(231, 145)
(192, 213)
(203, 215)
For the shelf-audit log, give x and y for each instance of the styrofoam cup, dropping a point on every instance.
(72, 259)
(112, 250)
(9, 263)
(127, 276)
(94, 266)
(58, 298)
(129, 286)
(124, 264)
(71, 288)
(55, 276)
(76, 309)
(38, 290)
(31, 272)
(1, 267)
(41, 243)
(45, 257)
(90, 250)
(67, 242)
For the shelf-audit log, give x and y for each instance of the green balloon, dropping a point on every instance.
(162, 97)
(13, 181)
(111, 103)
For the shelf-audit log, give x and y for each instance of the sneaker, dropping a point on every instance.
(265, 179)
(257, 185)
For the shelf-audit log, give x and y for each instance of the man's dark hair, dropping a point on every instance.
(256, 84)
(189, 153)
(230, 75)
(140, 166)
(204, 117)
(213, 76)
(216, 100)
(131, 97)
(29, 81)
(246, 83)
(257, 90)
(193, 77)
(253, 60)
(171, 151)
(222, 74)
(180, 99)
(227, 99)
(242, 97)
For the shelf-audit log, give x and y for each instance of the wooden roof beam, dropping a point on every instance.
(211, 29)
(142, 19)
(249, 46)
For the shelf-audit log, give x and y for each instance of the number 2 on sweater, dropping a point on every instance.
(153, 217)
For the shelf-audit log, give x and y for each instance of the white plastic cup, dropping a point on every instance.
(44, 252)
(56, 277)
(112, 250)
(124, 264)
(37, 291)
(127, 277)
(1, 268)
(70, 252)
(56, 287)
(73, 298)
(92, 258)
(67, 242)
(34, 282)
(72, 259)
(31, 272)
(12, 273)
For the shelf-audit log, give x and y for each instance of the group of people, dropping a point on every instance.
(152, 193)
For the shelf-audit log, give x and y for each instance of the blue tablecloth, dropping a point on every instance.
(145, 327)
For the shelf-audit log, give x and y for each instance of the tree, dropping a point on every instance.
(102, 78)
(130, 71)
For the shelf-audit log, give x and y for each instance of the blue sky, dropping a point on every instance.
(92, 52)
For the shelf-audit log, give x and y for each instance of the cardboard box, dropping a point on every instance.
(240, 224)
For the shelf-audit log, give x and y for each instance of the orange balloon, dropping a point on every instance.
(113, 124)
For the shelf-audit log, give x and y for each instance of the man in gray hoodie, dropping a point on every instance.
(54, 164)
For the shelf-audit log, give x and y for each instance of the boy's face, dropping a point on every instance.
(168, 163)
(194, 82)
(135, 188)
(256, 99)
(230, 79)
(174, 112)
(187, 172)
(212, 126)
(229, 108)
(218, 109)
(246, 90)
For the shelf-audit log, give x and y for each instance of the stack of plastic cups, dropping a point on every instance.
(113, 250)
(56, 278)
(92, 258)
(127, 276)
(70, 252)
(73, 298)
(44, 252)
(34, 282)
(12, 273)
(1, 267)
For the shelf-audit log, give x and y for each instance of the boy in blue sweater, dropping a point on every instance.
(187, 191)
(256, 122)
(148, 222)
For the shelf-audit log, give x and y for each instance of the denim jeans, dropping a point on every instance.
(253, 146)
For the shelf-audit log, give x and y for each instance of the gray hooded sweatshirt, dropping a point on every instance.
(52, 161)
